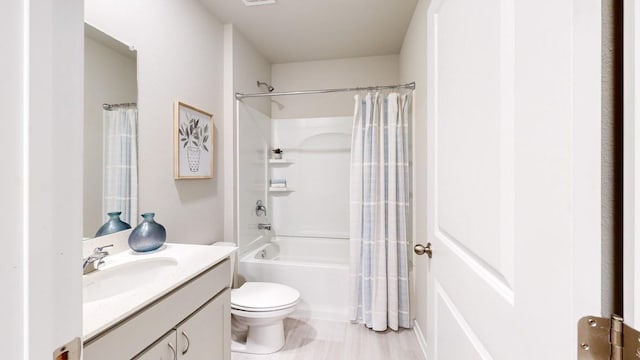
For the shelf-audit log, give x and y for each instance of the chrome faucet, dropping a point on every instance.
(260, 208)
(93, 261)
(264, 226)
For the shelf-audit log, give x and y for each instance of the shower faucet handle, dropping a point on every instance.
(260, 208)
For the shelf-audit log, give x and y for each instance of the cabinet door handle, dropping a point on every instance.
(186, 339)
(173, 350)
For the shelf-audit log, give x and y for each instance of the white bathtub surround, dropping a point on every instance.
(318, 152)
(120, 183)
(316, 267)
(378, 275)
(253, 149)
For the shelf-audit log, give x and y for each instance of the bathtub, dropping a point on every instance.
(317, 267)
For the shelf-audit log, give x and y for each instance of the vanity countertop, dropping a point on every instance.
(182, 263)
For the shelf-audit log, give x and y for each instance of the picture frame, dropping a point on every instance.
(193, 142)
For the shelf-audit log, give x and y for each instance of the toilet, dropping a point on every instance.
(262, 307)
(259, 309)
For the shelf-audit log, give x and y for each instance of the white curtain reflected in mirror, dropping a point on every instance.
(120, 162)
(110, 76)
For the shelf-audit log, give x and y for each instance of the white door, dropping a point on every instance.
(631, 195)
(513, 177)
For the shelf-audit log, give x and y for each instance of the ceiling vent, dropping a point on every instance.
(258, 2)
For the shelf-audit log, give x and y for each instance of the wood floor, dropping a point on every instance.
(330, 340)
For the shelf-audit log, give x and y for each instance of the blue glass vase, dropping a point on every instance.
(113, 225)
(148, 235)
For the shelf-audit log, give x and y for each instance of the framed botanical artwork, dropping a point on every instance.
(193, 142)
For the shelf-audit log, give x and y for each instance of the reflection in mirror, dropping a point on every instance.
(110, 131)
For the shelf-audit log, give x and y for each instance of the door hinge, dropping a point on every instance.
(69, 351)
(607, 339)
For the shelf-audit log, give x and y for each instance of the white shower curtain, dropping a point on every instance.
(378, 275)
(120, 163)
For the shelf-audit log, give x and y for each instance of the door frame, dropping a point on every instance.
(631, 163)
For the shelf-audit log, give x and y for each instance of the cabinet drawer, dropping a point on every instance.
(143, 328)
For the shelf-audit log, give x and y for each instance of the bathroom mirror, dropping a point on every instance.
(110, 131)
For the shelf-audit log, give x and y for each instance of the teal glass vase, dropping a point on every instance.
(148, 235)
(113, 225)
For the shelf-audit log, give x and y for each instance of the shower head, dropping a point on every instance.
(262, 83)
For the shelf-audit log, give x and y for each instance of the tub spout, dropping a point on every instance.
(264, 226)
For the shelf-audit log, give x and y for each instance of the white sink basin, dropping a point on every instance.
(125, 277)
(128, 281)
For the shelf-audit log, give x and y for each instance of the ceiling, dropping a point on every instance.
(303, 30)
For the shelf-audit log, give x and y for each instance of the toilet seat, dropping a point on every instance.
(263, 297)
(262, 317)
(263, 309)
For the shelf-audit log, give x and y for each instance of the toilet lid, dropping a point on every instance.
(263, 295)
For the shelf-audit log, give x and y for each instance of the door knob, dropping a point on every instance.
(420, 249)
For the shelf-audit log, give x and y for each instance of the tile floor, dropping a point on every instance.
(331, 340)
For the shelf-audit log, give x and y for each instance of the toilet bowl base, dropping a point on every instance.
(262, 339)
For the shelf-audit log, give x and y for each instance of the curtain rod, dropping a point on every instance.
(411, 85)
(111, 106)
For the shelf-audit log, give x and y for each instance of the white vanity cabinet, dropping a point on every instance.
(194, 319)
(163, 349)
(196, 338)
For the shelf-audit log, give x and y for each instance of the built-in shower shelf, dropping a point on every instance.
(280, 161)
(280, 189)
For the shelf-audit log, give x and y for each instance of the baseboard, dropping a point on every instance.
(420, 338)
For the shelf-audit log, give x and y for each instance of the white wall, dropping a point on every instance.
(327, 74)
(244, 65)
(109, 77)
(249, 66)
(180, 57)
(413, 67)
(41, 212)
